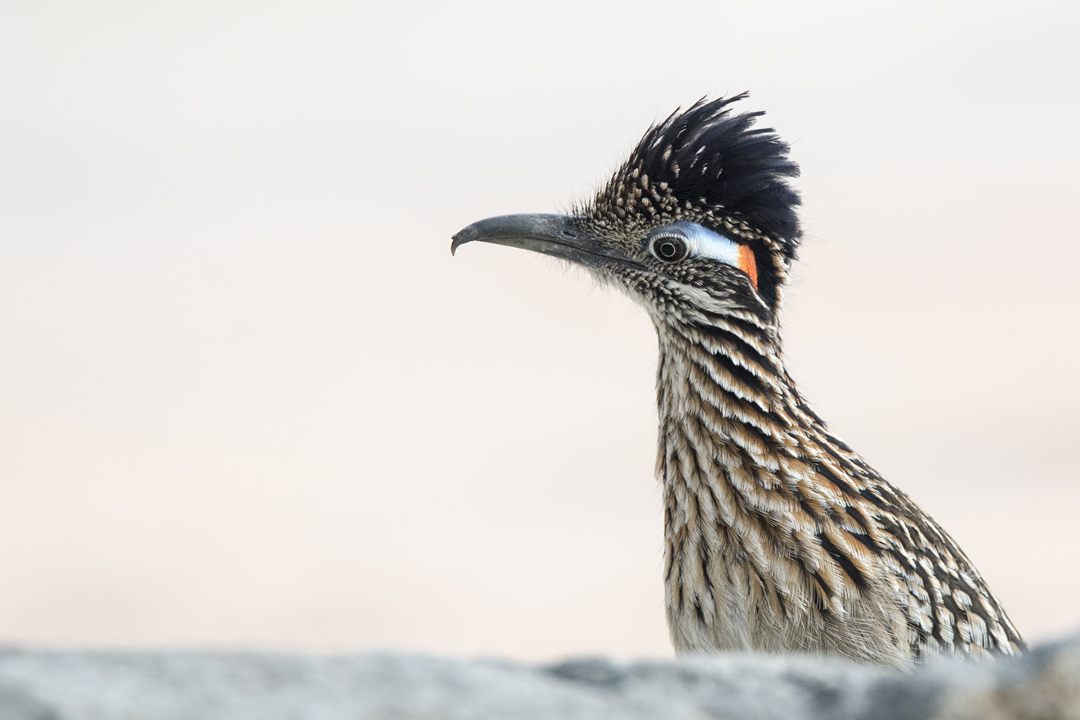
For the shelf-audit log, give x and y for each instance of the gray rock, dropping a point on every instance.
(116, 685)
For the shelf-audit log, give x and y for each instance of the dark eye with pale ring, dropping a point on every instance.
(668, 248)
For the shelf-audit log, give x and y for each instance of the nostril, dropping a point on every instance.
(571, 234)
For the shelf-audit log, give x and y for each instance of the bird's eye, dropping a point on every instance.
(669, 248)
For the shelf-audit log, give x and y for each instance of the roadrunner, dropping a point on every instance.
(779, 538)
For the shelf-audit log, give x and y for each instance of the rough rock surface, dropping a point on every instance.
(115, 685)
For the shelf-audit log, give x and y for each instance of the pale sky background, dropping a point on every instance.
(247, 398)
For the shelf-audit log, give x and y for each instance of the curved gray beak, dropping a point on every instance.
(562, 236)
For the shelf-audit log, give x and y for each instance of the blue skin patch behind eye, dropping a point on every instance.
(703, 242)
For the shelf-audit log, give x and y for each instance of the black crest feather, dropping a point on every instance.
(712, 158)
(706, 153)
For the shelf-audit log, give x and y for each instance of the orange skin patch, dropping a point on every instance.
(747, 263)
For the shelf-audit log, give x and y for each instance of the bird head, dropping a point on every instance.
(699, 221)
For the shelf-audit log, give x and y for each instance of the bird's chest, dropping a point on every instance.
(717, 597)
(737, 583)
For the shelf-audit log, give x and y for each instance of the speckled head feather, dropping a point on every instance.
(713, 167)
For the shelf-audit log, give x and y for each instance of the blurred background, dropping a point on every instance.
(247, 398)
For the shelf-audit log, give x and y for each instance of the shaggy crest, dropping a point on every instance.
(715, 167)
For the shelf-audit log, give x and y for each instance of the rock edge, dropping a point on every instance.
(190, 685)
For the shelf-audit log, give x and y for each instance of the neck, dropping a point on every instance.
(726, 419)
(740, 458)
(722, 386)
